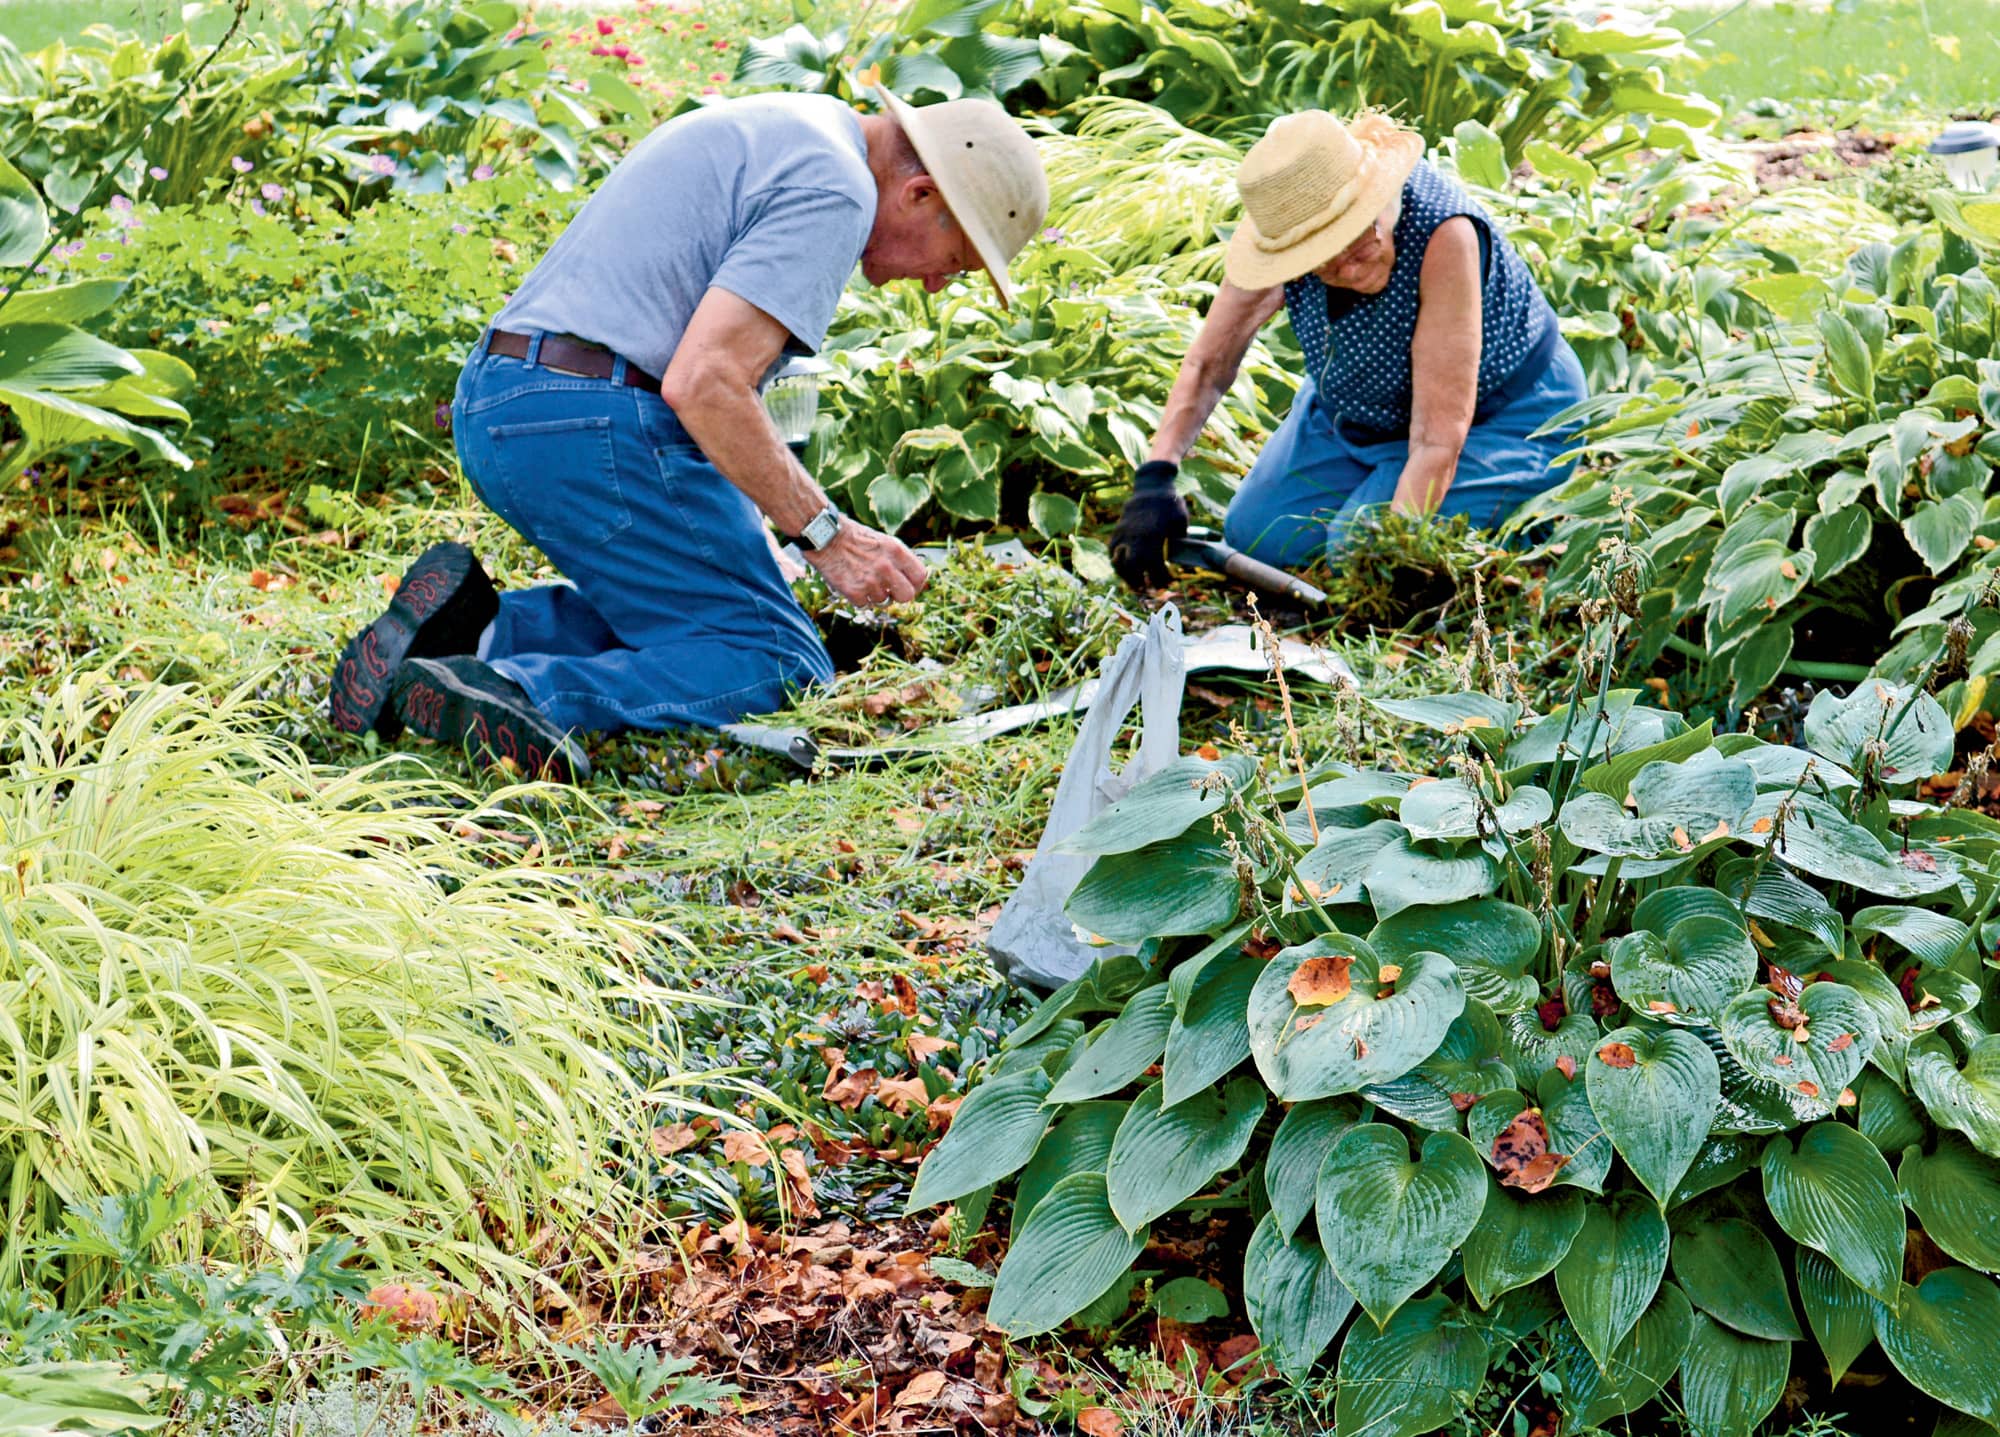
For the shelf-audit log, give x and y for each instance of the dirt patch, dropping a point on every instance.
(1811, 156)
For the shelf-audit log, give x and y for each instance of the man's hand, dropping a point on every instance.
(1155, 516)
(865, 566)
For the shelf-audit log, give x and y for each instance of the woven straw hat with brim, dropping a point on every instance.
(988, 171)
(1310, 188)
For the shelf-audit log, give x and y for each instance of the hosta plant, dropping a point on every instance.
(1642, 1046)
(1818, 494)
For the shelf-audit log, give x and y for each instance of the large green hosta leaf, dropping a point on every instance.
(24, 223)
(1297, 1152)
(1069, 1252)
(1079, 1142)
(1940, 1336)
(1407, 874)
(1532, 1047)
(1412, 1377)
(1187, 791)
(1489, 941)
(1575, 1131)
(1295, 1302)
(1834, 1193)
(1163, 1157)
(995, 1131)
(1211, 1033)
(1122, 1050)
(1729, 1270)
(1612, 1270)
(1388, 1223)
(1819, 1058)
(1638, 1369)
(1186, 884)
(1821, 840)
(1955, 1193)
(1693, 972)
(1842, 1315)
(1655, 1093)
(1842, 728)
(1339, 1044)
(1446, 808)
(1730, 1381)
(1467, 1064)
(1519, 1237)
(1678, 806)
(1965, 1099)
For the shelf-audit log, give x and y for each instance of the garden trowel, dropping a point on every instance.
(1204, 549)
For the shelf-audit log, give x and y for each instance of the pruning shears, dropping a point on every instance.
(1204, 548)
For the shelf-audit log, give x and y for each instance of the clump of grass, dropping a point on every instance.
(334, 999)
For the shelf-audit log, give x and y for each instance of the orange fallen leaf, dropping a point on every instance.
(739, 1146)
(1321, 981)
(1566, 1065)
(1521, 1153)
(1682, 841)
(1099, 1422)
(1841, 1044)
(1389, 972)
(1789, 569)
(1811, 1090)
(923, 1046)
(1617, 1055)
(899, 1095)
(671, 1138)
(922, 1390)
(1762, 825)
(850, 1091)
(409, 1309)
(1208, 751)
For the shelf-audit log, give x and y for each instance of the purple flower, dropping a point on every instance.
(257, 207)
(441, 416)
(240, 165)
(157, 173)
(482, 172)
(32, 473)
(382, 164)
(1052, 235)
(455, 229)
(105, 256)
(272, 192)
(121, 204)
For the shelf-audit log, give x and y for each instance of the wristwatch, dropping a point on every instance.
(819, 530)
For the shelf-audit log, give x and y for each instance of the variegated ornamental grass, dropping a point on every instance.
(321, 994)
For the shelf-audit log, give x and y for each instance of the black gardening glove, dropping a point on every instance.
(1154, 518)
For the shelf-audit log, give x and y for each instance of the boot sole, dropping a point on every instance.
(434, 703)
(443, 603)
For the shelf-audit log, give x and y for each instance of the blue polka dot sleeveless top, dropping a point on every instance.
(1357, 347)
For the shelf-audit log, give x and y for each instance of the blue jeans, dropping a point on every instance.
(1302, 495)
(674, 613)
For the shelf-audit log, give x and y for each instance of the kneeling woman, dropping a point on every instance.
(1431, 356)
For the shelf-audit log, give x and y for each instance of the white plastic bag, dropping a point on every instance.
(1033, 942)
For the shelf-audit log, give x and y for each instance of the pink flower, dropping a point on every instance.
(257, 207)
(382, 164)
(635, 60)
(600, 49)
(157, 173)
(240, 165)
(718, 78)
(460, 230)
(103, 257)
(621, 51)
(605, 25)
(120, 204)
(698, 25)
(479, 172)
(272, 192)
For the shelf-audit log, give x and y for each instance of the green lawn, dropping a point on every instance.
(1936, 55)
(31, 24)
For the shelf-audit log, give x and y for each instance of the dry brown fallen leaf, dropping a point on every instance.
(1617, 1055)
(1318, 982)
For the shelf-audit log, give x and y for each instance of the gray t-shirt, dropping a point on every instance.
(769, 197)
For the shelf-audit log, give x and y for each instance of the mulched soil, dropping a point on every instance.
(1813, 156)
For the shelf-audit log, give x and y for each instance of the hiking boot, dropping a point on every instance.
(442, 606)
(459, 700)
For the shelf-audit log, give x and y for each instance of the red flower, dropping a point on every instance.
(605, 25)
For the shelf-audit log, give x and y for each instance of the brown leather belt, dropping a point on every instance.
(569, 356)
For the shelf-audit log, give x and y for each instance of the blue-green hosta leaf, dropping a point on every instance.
(1964, 1098)
(1164, 1156)
(1849, 363)
(1414, 1376)
(1937, 938)
(1321, 1030)
(47, 358)
(1724, 1158)
(1187, 791)
(1746, 1103)
(1519, 1238)
(1211, 1034)
(1940, 1336)
(1295, 1302)
(1817, 1059)
(63, 303)
(1298, 1149)
(1819, 839)
(1339, 861)
(1661, 909)
(1841, 728)
(1835, 1194)
(24, 223)
(1407, 874)
(1446, 808)
(1121, 1050)
(1532, 1048)
(1955, 1193)
(1692, 973)
(1079, 1142)
(1729, 1270)
(996, 1130)
(1389, 1223)
(1491, 942)
(1186, 884)
(1465, 1065)
(1777, 896)
(1841, 1315)
(1454, 714)
(1757, 578)
(1612, 1270)
(1613, 778)
(1620, 726)
(1655, 1093)
(1730, 1381)
(1887, 1116)
(1575, 1131)
(1069, 1252)
(1783, 767)
(1677, 807)
(1637, 1369)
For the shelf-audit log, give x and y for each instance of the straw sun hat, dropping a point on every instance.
(1310, 187)
(988, 171)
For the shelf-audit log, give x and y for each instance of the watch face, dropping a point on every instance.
(825, 524)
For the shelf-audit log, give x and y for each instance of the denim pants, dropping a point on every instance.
(1311, 479)
(674, 613)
